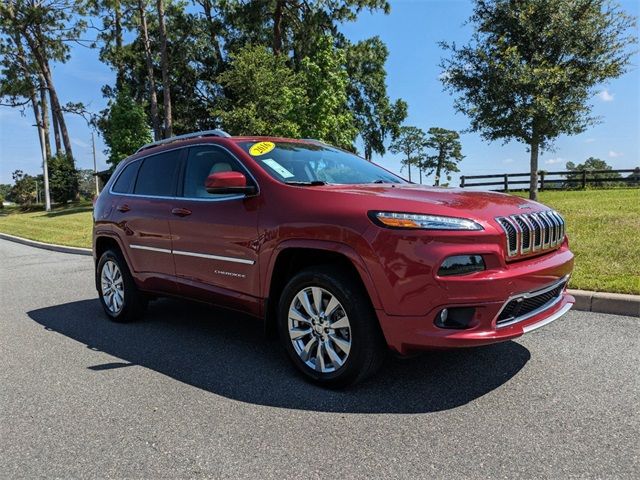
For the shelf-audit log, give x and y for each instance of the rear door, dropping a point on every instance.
(143, 217)
(215, 236)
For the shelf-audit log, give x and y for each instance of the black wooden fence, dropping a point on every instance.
(552, 180)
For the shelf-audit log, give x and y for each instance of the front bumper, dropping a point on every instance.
(488, 294)
(405, 334)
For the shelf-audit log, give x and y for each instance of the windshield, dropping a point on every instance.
(315, 163)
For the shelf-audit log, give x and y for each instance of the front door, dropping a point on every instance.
(214, 236)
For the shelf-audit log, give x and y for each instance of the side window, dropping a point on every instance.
(124, 183)
(202, 162)
(157, 174)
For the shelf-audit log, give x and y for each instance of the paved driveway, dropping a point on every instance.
(197, 392)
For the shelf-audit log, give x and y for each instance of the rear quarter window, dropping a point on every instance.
(126, 179)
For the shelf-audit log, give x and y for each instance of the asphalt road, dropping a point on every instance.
(196, 392)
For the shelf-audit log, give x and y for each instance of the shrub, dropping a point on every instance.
(23, 191)
(63, 179)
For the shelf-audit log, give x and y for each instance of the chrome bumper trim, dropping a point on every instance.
(548, 320)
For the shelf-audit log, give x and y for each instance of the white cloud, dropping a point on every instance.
(79, 143)
(605, 96)
(553, 161)
(589, 140)
(614, 154)
(507, 160)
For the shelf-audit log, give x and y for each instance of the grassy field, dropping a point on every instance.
(604, 234)
(63, 226)
(603, 228)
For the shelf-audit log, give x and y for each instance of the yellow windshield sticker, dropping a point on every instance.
(261, 148)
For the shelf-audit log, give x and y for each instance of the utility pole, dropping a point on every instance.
(45, 168)
(95, 164)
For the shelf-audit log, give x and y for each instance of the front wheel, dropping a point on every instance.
(328, 327)
(119, 296)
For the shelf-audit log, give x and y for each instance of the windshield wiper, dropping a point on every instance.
(314, 183)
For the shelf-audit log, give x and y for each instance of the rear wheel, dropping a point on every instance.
(328, 328)
(119, 296)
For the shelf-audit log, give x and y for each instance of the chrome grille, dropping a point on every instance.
(532, 232)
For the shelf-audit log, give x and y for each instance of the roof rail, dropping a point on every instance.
(204, 133)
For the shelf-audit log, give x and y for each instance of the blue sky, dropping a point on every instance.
(411, 33)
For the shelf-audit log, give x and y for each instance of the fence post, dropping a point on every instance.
(584, 179)
(541, 180)
(462, 181)
(506, 182)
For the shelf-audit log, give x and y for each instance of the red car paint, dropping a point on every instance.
(398, 268)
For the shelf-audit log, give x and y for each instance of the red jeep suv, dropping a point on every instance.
(343, 258)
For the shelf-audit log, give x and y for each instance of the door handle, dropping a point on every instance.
(123, 208)
(181, 212)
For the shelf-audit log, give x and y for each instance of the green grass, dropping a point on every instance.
(603, 228)
(604, 234)
(69, 225)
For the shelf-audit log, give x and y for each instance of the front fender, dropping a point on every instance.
(331, 246)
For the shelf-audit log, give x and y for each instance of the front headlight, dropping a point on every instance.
(423, 222)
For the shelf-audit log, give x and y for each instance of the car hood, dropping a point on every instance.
(437, 200)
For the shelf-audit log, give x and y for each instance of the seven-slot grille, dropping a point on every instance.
(528, 304)
(532, 232)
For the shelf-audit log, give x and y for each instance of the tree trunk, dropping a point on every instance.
(40, 116)
(533, 185)
(409, 167)
(36, 46)
(56, 133)
(45, 171)
(56, 110)
(45, 116)
(277, 27)
(420, 170)
(36, 113)
(42, 119)
(117, 24)
(213, 34)
(439, 169)
(164, 61)
(367, 151)
(144, 33)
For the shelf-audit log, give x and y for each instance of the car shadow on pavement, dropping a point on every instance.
(228, 354)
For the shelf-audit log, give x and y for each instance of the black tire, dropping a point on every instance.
(134, 302)
(367, 350)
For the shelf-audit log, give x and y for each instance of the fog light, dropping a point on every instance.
(457, 317)
(461, 265)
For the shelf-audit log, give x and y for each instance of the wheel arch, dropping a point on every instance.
(104, 242)
(290, 257)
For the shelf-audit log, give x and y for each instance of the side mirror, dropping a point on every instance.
(228, 183)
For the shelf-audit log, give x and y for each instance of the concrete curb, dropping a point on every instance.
(46, 246)
(586, 301)
(603, 302)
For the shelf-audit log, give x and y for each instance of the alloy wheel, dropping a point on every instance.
(319, 329)
(112, 286)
